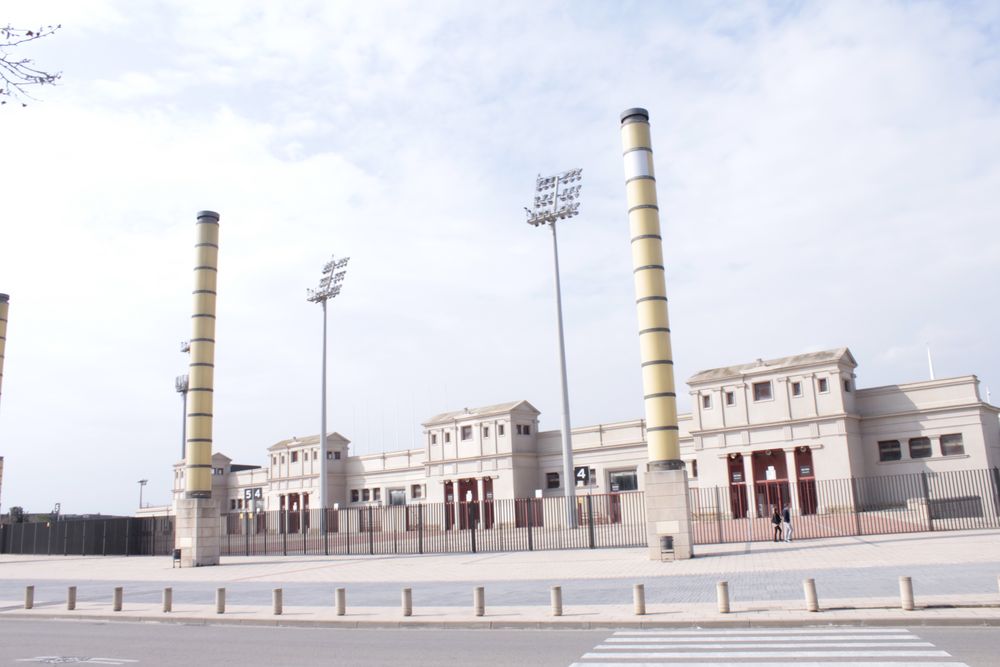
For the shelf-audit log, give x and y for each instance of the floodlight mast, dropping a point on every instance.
(329, 287)
(557, 198)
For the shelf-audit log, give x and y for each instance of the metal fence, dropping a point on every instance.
(913, 503)
(90, 537)
(737, 513)
(523, 524)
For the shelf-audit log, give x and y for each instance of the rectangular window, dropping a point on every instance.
(486, 431)
(762, 391)
(796, 389)
(730, 398)
(920, 448)
(434, 438)
(232, 504)
(354, 495)
(336, 456)
(952, 445)
(274, 460)
(295, 457)
(447, 436)
(625, 480)
(694, 470)
(824, 385)
(551, 480)
(316, 455)
(847, 385)
(888, 450)
(706, 401)
(397, 497)
(466, 433)
(366, 495)
(500, 430)
(416, 491)
(218, 472)
(376, 494)
(329, 455)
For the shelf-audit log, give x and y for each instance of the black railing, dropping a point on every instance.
(90, 537)
(523, 524)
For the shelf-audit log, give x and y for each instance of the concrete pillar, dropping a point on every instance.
(198, 524)
(812, 601)
(277, 601)
(555, 595)
(479, 600)
(116, 602)
(71, 598)
(906, 593)
(168, 600)
(341, 600)
(29, 597)
(666, 484)
(793, 479)
(639, 599)
(722, 596)
(407, 602)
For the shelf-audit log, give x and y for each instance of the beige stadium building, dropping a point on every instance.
(769, 422)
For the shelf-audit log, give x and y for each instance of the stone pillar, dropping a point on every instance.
(198, 533)
(793, 479)
(666, 484)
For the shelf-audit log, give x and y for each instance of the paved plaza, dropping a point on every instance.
(955, 576)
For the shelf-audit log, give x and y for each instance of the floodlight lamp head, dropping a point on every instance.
(181, 383)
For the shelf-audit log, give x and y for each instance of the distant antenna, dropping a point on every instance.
(930, 362)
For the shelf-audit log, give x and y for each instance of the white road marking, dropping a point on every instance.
(614, 647)
(75, 660)
(771, 631)
(763, 638)
(670, 655)
(837, 663)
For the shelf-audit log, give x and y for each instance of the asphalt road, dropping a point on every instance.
(148, 644)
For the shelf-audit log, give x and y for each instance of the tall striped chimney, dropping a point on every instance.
(666, 478)
(202, 369)
(4, 304)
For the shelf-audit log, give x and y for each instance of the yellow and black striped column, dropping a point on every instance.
(651, 293)
(201, 381)
(4, 304)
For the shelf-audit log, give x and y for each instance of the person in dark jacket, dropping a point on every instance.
(776, 522)
(786, 517)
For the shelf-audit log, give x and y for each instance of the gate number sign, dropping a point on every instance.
(255, 493)
(582, 474)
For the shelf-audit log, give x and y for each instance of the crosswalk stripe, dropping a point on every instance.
(763, 645)
(837, 663)
(783, 631)
(771, 654)
(763, 638)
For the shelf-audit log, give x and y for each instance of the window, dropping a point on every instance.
(232, 504)
(376, 494)
(416, 491)
(316, 455)
(624, 480)
(762, 391)
(282, 458)
(888, 450)
(466, 433)
(366, 495)
(706, 401)
(551, 480)
(694, 470)
(336, 456)
(524, 429)
(730, 398)
(447, 437)
(952, 445)
(354, 495)
(434, 438)
(274, 460)
(295, 457)
(499, 429)
(796, 389)
(486, 431)
(824, 385)
(397, 496)
(218, 472)
(329, 455)
(847, 385)
(920, 448)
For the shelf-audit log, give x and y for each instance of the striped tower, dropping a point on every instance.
(4, 304)
(666, 485)
(198, 513)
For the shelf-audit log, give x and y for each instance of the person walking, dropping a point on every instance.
(786, 517)
(776, 522)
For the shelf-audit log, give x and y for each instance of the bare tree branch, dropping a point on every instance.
(17, 74)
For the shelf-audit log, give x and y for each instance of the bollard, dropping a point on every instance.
(906, 593)
(479, 600)
(407, 602)
(812, 602)
(341, 601)
(276, 601)
(71, 598)
(639, 599)
(220, 600)
(722, 593)
(168, 600)
(556, 601)
(116, 604)
(29, 597)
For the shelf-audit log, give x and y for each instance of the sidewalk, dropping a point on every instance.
(940, 558)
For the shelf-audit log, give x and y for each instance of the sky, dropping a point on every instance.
(827, 172)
